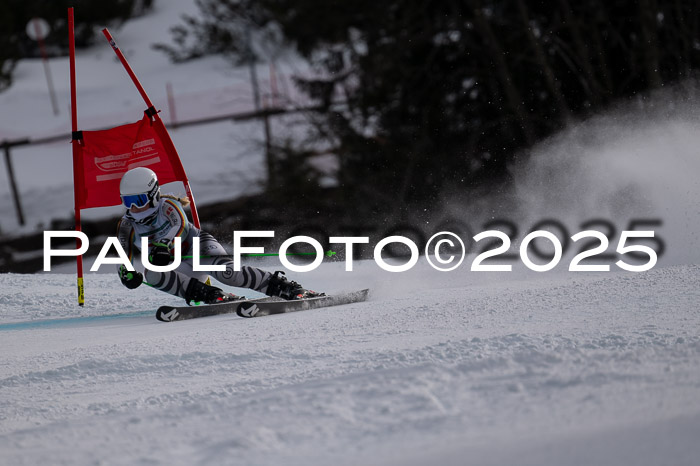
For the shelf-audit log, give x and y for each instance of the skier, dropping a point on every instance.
(161, 219)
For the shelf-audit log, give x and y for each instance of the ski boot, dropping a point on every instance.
(207, 294)
(280, 286)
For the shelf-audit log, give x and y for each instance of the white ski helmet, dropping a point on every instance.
(139, 188)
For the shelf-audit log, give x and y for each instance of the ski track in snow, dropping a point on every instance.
(462, 366)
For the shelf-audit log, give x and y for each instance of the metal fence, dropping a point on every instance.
(264, 115)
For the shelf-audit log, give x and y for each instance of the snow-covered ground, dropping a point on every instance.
(555, 368)
(457, 368)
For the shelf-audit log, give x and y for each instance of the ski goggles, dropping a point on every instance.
(135, 200)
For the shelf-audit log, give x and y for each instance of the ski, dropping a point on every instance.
(257, 307)
(173, 313)
(260, 308)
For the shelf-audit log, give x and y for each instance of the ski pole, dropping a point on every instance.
(327, 254)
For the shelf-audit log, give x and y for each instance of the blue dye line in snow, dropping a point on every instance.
(31, 324)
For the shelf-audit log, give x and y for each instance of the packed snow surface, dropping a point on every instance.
(453, 368)
(555, 368)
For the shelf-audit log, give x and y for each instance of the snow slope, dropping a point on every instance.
(465, 368)
(558, 368)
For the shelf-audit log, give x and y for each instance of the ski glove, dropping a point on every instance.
(160, 254)
(130, 280)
